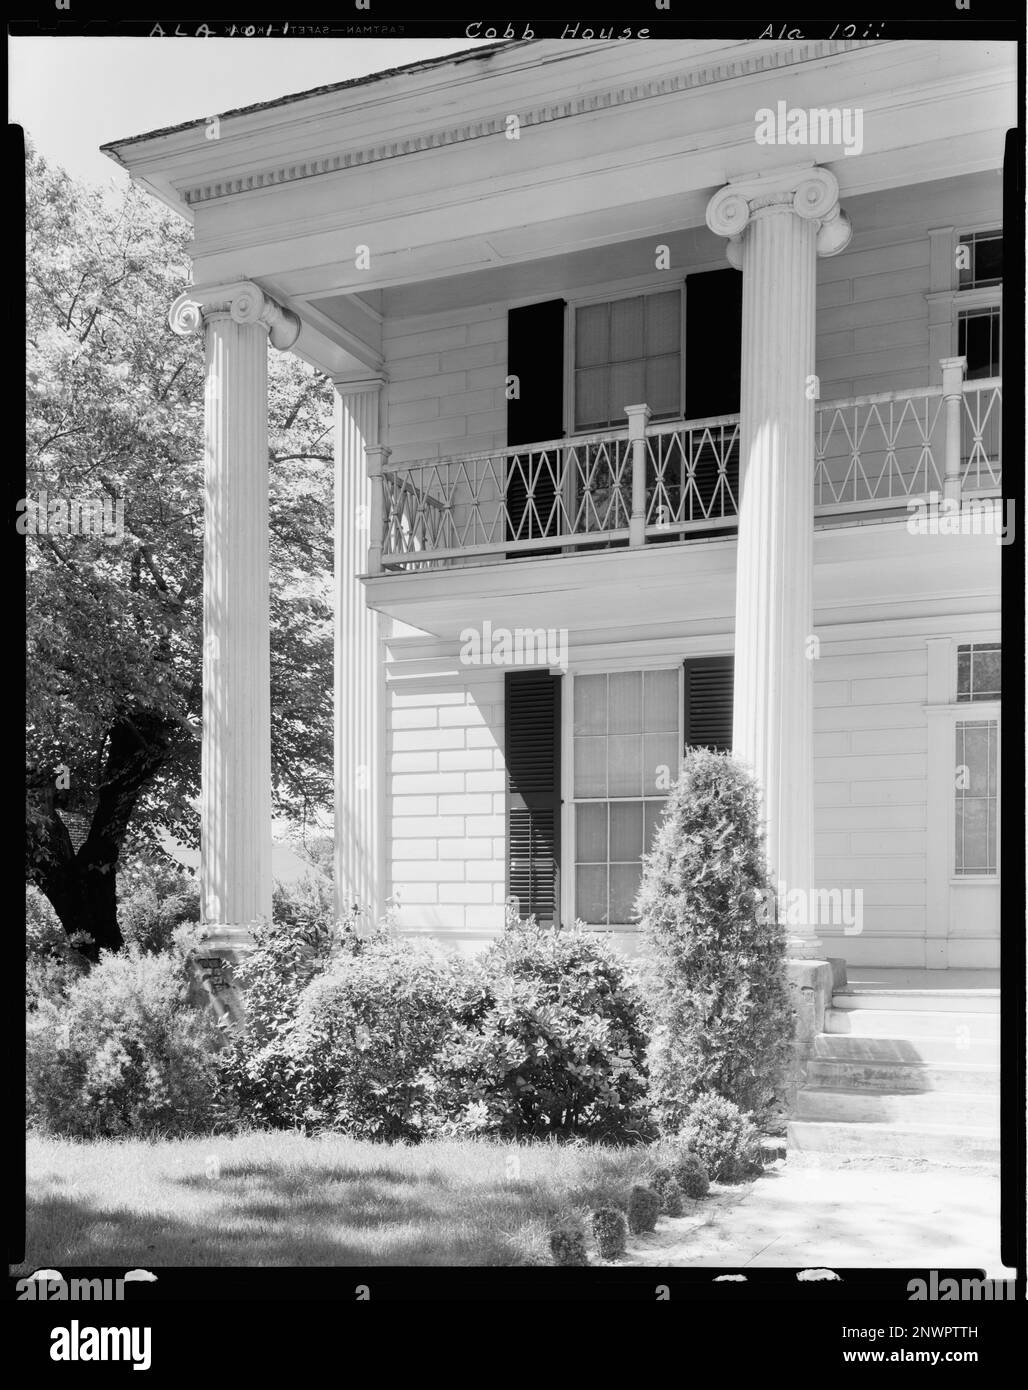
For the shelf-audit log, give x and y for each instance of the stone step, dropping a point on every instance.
(951, 1047)
(911, 1023)
(872, 1075)
(968, 1146)
(956, 1109)
(977, 1001)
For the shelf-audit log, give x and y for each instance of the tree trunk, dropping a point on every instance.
(82, 886)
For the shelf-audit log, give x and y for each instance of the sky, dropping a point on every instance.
(75, 94)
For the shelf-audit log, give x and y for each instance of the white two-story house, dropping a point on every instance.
(668, 391)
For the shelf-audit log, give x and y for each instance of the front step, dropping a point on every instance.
(947, 1108)
(911, 1023)
(977, 1001)
(858, 1074)
(950, 1048)
(839, 1142)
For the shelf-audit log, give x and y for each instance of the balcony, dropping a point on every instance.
(647, 484)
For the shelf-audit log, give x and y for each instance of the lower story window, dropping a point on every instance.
(977, 799)
(626, 753)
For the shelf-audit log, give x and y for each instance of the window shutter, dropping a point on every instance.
(535, 355)
(708, 703)
(532, 749)
(713, 358)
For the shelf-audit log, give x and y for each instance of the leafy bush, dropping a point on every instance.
(722, 1135)
(567, 1244)
(643, 1209)
(370, 1048)
(155, 899)
(671, 1198)
(300, 944)
(52, 962)
(692, 1183)
(610, 1231)
(714, 979)
(557, 1042)
(122, 1052)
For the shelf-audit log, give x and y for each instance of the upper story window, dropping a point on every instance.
(628, 352)
(978, 671)
(982, 264)
(978, 339)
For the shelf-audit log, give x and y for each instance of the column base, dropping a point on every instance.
(213, 979)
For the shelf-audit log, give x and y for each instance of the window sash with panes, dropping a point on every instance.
(627, 352)
(626, 751)
(976, 823)
(985, 260)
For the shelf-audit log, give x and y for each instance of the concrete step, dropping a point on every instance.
(949, 1048)
(969, 1146)
(872, 1075)
(976, 1001)
(952, 1108)
(911, 1023)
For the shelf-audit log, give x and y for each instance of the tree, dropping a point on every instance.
(115, 411)
(714, 976)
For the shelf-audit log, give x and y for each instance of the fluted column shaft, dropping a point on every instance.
(359, 677)
(778, 226)
(235, 797)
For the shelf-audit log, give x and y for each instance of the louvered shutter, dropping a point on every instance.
(535, 355)
(713, 360)
(708, 703)
(532, 747)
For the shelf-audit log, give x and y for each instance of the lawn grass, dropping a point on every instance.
(272, 1198)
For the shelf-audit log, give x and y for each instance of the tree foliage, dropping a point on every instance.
(115, 411)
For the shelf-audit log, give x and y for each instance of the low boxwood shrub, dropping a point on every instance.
(722, 1136)
(671, 1198)
(643, 1209)
(567, 1244)
(713, 951)
(121, 1052)
(693, 1183)
(610, 1231)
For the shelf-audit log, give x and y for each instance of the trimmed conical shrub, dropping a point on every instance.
(714, 951)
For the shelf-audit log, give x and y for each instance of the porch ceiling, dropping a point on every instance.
(616, 142)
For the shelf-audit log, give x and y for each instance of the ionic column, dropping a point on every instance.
(778, 224)
(235, 797)
(359, 675)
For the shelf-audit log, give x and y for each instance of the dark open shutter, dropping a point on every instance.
(535, 356)
(532, 747)
(713, 352)
(708, 703)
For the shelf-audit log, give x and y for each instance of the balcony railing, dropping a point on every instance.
(653, 482)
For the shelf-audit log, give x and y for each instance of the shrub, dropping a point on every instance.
(369, 1050)
(671, 1198)
(122, 1052)
(52, 963)
(557, 1043)
(713, 980)
(567, 1244)
(693, 1183)
(155, 898)
(610, 1230)
(643, 1209)
(722, 1135)
(298, 945)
